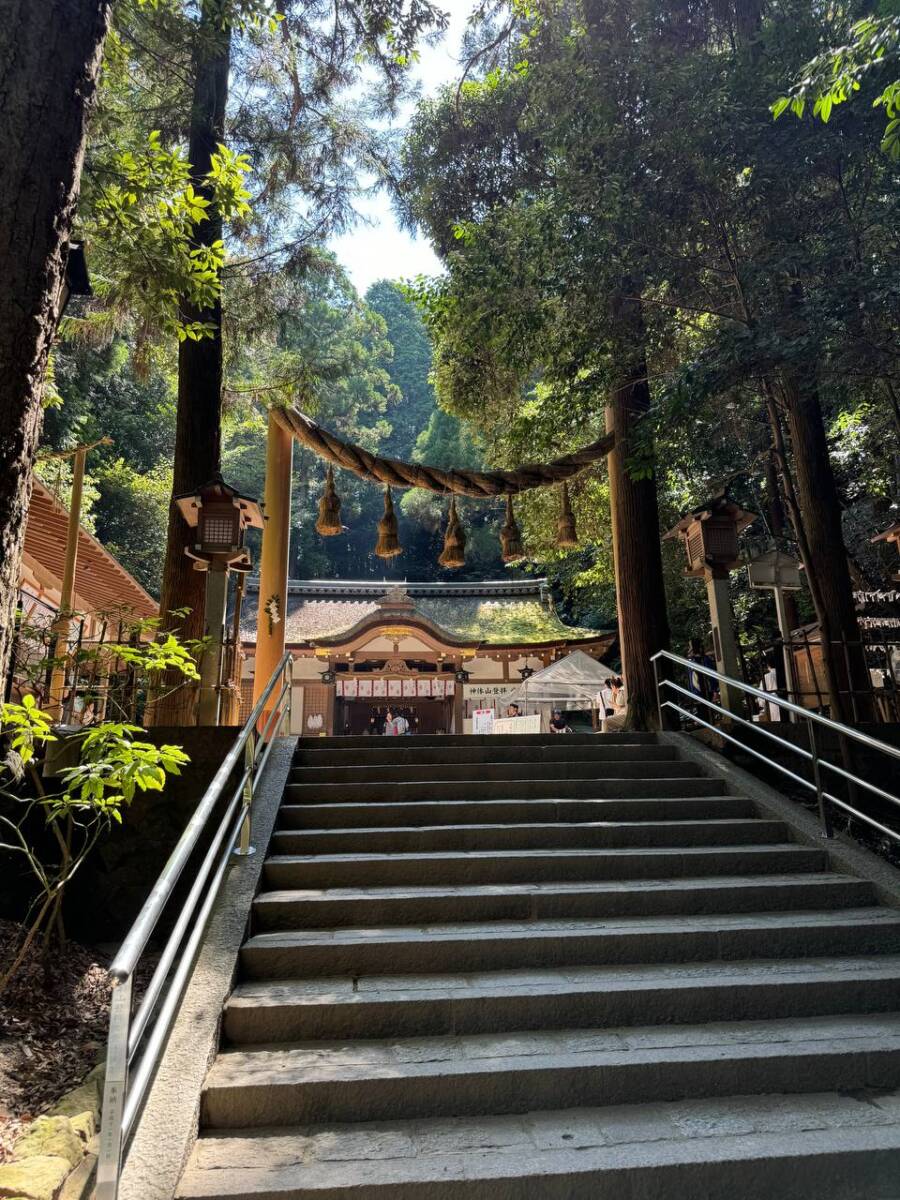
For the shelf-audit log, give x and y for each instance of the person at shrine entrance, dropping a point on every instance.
(395, 725)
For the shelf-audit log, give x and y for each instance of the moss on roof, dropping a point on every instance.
(510, 621)
(500, 622)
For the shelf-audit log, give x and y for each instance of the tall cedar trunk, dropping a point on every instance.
(820, 510)
(198, 427)
(640, 592)
(49, 61)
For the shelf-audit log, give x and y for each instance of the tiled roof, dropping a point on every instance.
(501, 620)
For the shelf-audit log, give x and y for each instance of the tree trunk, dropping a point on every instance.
(198, 427)
(827, 555)
(49, 62)
(640, 592)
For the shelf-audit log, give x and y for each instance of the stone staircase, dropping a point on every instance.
(521, 968)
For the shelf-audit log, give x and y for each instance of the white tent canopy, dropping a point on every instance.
(570, 682)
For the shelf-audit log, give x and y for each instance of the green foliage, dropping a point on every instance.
(114, 764)
(835, 76)
(149, 217)
(408, 366)
(29, 727)
(627, 152)
(157, 656)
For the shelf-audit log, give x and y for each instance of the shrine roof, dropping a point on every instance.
(498, 613)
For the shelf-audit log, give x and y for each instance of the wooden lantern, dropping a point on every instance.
(221, 516)
(891, 535)
(710, 536)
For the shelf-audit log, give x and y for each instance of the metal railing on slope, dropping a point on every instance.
(137, 1036)
(813, 756)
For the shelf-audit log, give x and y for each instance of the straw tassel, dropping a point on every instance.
(566, 535)
(329, 520)
(510, 536)
(454, 552)
(388, 544)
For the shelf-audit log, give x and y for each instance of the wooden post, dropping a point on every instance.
(273, 568)
(61, 629)
(459, 707)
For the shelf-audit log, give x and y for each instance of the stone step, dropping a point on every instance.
(359, 1006)
(516, 1073)
(514, 945)
(469, 742)
(496, 770)
(767, 1147)
(556, 834)
(550, 788)
(396, 751)
(534, 866)
(612, 786)
(459, 812)
(334, 908)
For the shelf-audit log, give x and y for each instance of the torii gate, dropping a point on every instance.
(643, 629)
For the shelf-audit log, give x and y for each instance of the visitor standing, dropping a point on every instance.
(395, 725)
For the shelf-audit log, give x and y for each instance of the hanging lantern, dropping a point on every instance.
(328, 523)
(566, 533)
(388, 544)
(510, 536)
(454, 552)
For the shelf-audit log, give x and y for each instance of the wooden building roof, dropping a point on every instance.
(101, 582)
(494, 613)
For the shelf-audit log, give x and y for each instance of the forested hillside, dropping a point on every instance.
(365, 364)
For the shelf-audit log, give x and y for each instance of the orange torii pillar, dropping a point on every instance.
(273, 567)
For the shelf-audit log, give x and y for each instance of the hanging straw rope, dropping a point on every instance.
(395, 473)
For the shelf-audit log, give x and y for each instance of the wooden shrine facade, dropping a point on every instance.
(433, 650)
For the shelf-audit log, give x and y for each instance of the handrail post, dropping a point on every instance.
(244, 849)
(109, 1162)
(664, 722)
(824, 813)
(289, 710)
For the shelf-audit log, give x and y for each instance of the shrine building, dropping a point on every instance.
(435, 650)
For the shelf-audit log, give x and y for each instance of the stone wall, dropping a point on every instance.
(106, 895)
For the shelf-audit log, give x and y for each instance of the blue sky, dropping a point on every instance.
(377, 248)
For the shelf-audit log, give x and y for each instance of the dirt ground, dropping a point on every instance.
(52, 1029)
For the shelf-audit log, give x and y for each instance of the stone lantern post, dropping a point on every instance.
(709, 535)
(221, 517)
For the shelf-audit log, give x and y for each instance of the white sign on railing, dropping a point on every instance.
(483, 720)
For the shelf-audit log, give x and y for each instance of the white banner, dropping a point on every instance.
(483, 720)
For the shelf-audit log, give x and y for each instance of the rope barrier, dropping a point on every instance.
(396, 473)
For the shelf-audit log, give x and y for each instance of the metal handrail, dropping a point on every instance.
(812, 755)
(128, 1072)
